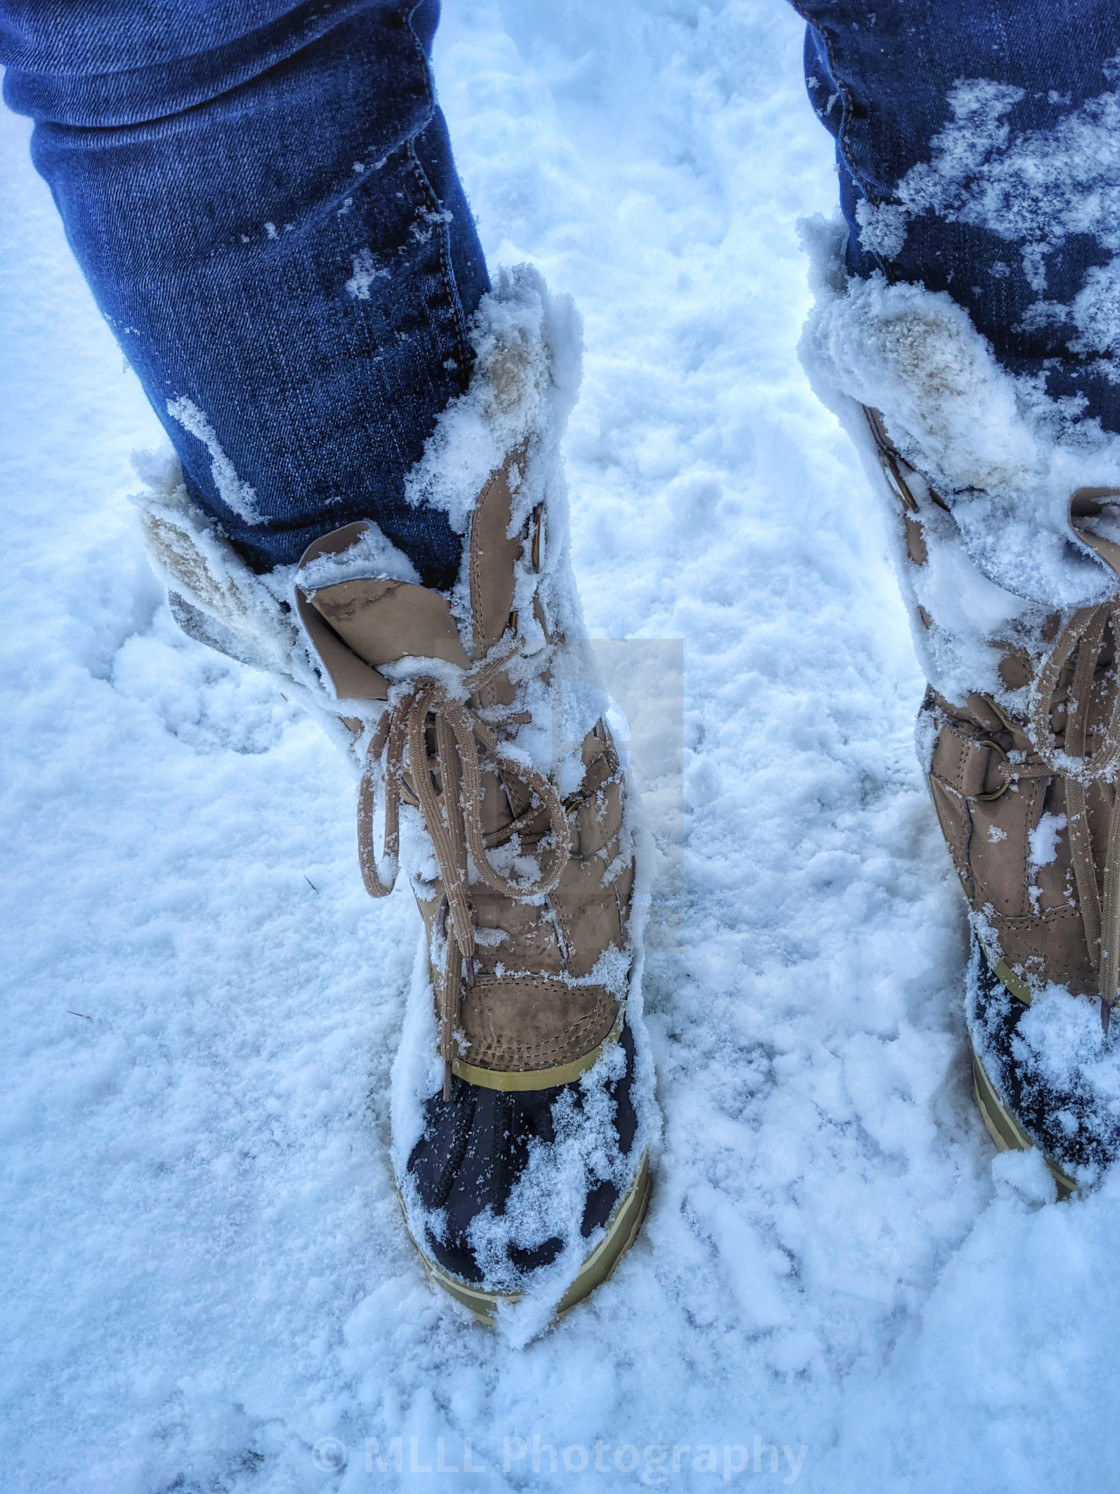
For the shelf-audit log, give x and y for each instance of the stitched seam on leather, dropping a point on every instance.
(545, 1054)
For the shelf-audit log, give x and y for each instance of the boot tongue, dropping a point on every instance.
(383, 621)
(359, 625)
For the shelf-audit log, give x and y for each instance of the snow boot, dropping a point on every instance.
(524, 879)
(522, 1095)
(1003, 509)
(1028, 807)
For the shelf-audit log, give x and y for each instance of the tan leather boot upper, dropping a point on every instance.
(1025, 785)
(526, 900)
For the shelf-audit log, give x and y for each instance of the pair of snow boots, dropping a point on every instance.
(522, 1095)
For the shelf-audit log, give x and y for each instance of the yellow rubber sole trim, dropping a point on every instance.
(1003, 972)
(1004, 1129)
(622, 1229)
(516, 1081)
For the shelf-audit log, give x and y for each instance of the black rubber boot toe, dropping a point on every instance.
(1067, 1102)
(474, 1151)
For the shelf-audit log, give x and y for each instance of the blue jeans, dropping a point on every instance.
(263, 199)
(978, 149)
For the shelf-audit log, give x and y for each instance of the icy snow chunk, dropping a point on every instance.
(366, 271)
(1023, 1178)
(372, 556)
(526, 376)
(1033, 188)
(1095, 315)
(998, 451)
(1044, 839)
(237, 496)
(882, 227)
(958, 596)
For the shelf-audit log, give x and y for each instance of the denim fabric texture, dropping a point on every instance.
(1014, 102)
(263, 200)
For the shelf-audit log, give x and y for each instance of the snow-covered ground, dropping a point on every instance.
(207, 1285)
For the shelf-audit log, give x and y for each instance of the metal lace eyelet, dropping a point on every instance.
(1005, 785)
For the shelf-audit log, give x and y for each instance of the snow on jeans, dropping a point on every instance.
(967, 318)
(978, 147)
(973, 299)
(263, 199)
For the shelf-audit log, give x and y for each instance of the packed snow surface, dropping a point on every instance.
(207, 1283)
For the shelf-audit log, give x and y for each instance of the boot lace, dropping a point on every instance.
(1078, 767)
(447, 784)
